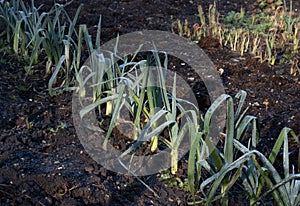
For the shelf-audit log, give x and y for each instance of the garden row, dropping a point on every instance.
(128, 85)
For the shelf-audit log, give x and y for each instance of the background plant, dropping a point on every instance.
(271, 35)
(35, 34)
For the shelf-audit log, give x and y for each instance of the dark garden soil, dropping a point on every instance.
(41, 159)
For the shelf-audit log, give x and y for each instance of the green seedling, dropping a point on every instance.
(29, 124)
(62, 125)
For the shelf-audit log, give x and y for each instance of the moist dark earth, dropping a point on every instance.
(42, 161)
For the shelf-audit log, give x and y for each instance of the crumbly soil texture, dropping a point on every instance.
(42, 161)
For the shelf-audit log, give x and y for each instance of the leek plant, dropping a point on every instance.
(141, 89)
(174, 117)
(216, 157)
(57, 37)
(20, 23)
(235, 163)
(34, 33)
